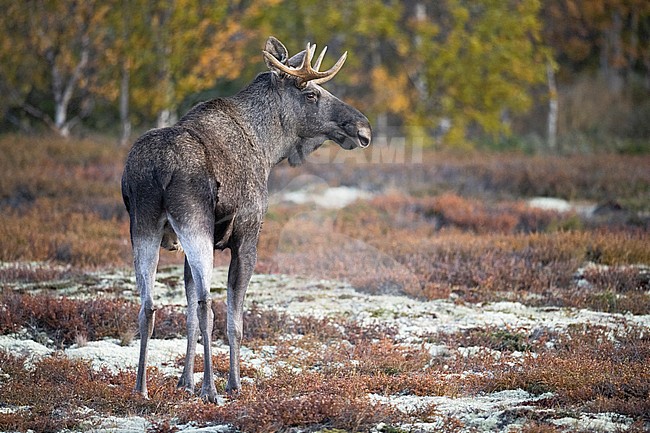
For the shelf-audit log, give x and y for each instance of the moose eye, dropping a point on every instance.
(311, 96)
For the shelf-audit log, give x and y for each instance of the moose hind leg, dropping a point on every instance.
(199, 253)
(187, 378)
(146, 252)
(206, 321)
(241, 269)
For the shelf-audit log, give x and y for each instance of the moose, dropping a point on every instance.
(202, 185)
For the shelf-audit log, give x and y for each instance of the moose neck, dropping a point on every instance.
(260, 106)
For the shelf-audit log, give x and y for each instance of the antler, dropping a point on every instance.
(305, 72)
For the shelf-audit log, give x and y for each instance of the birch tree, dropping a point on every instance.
(56, 40)
(188, 45)
(477, 63)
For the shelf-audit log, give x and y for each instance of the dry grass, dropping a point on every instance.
(64, 320)
(596, 369)
(595, 177)
(50, 229)
(60, 201)
(288, 400)
(592, 369)
(60, 393)
(329, 366)
(396, 244)
(458, 228)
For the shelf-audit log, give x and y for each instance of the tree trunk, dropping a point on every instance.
(60, 103)
(552, 108)
(63, 90)
(166, 116)
(612, 57)
(124, 106)
(61, 117)
(125, 71)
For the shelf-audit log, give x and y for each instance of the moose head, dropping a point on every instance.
(315, 113)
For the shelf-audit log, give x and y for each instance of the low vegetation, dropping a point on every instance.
(325, 370)
(453, 227)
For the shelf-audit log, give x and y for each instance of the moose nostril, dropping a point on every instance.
(364, 137)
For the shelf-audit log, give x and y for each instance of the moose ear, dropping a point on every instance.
(277, 50)
(296, 60)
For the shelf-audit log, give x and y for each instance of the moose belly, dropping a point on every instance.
(223, 230)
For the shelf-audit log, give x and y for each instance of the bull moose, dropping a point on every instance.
(202, 184)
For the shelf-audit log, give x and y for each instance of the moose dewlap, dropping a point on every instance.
(202, 185)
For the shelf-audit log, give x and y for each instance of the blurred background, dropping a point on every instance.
(567, 76)
(478, 108)
(509, 170)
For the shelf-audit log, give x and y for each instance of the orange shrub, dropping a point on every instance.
(587, 367)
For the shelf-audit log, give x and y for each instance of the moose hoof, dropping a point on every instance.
(233, 386)
(142, 393)
(233, 391)
(209, 394)
(185, 385)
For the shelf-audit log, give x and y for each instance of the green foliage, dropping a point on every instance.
(48, 47)
(477, 65)
(468, 62)
(183, 46)
(451, 73)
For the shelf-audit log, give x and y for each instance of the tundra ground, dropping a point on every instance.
(436, 295)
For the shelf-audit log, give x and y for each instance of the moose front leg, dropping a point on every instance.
(239, 274)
